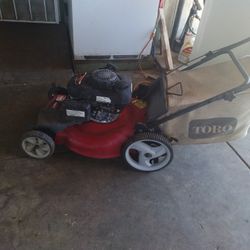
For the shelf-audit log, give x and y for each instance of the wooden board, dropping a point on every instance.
(165, 41)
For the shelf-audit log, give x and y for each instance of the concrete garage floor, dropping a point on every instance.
(201, 201)
(34, 53)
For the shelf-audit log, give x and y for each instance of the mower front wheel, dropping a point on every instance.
(37, 144)
(148, 152)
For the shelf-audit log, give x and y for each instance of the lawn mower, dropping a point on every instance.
(98, 115)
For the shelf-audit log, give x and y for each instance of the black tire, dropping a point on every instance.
(36, 141)
(140, 152)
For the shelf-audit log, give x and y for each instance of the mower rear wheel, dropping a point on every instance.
(37, 144)
(148, 152)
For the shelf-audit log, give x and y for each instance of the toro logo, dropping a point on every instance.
(208, 128)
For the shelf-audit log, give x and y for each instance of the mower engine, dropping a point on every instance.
(98, 96)
(104, 91)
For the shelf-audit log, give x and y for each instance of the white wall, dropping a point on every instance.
(223, 22)
(112, 27)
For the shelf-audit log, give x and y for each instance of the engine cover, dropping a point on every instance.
(104, 79)
(102, 86)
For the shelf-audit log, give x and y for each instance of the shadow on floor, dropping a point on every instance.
(34, 53)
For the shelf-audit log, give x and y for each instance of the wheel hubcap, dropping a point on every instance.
(36, 147)
(148, 155)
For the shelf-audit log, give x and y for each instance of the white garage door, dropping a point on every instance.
(42, 11)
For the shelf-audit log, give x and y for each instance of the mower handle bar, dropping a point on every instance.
(229, 95)
(225, 50)
(234, 45)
